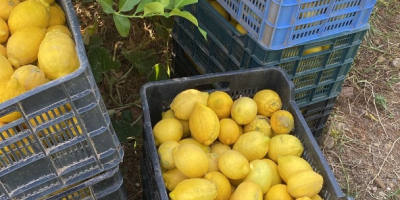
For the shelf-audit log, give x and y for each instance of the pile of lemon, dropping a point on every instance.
(221, 10)
(213, 147)
(35, 47)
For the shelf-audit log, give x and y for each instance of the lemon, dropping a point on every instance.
(165, 154)
(304, 183)
(4, 33)
(260, 173)
(282, 122)
(275, 176)
(194, 189)
(190, 160)
(221, 103)
(56, 16)
(29, 13)
(312, 50)
(268, 102)
(303, 198)
(6, 70)
(3, 51)
(212, 162)
(185, 123)
(219, 148)
(57, 55)
(9, 90)
(6, 6)
(326, 47)
(278, 192)
(29, 76)
(172, 177)
(23, 45)
(167, 129)
(203, 147)
(168, 114)
(233, 189)
(184, 102)
(61, 28)
(244, 110)
(260, 124)
(282, 145)
(253, 145)
(221, 10)
(233, 164)
(247, 190)
(316, 197)
(241, 29)
(222, 183)
(204, 124)
(236, 182)
(233, 23)
(232, 19)
(289, 165)
(229, 131)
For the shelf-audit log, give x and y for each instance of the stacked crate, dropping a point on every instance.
(63, 146)
(335, 27)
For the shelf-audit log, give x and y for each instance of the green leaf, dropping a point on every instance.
(182, 3)
(127, 5)
(123, 25)
(162, 32)
(141, 5)
(159, 72)
(100, 61)
(143, 61)
(187, 15)
(153, 8)
(127, 115)
(165, 3)
(107, 6)
(95, 40)
(126, 130)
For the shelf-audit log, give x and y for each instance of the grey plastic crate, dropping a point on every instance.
(156, 97)
(106, 186)
(38, 157)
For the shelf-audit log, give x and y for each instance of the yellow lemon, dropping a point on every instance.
(29, 76)
(278, 192)
(167, 129)
(282, 122)
(312, 50)
(6, 6)
(221, 10)
(56, 16)
(168, 114)
(9, 90)
(233, 23)
(219, 148)
(6, 70)
(29, 13)
(4, 33)
(275, 176)
(204, 124)
(185, 123)
(221, 103)
(172, 177)
(165, 154)
(247, 190)
(233, 164)
(268, 102)
(260, 124)
(229, 131)
(212, 162)
(253, 145)
(232, 19)
(23, 45)
(57, 55)
(304, 183)
(184, 102)
(3, 51)
(326, 47)
(236, 182)
(203, 147)
(244, 110)
(223, 186)
(285, 144)
(260, 173)
(194, 189)
(316, 197)
(61, 28)
(241, 29)
(190, 160)
(290, 164)
(303, 198)
(233, 189)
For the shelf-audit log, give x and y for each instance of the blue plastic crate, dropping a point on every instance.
(279, 24)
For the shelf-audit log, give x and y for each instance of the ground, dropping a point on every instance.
(361, 138)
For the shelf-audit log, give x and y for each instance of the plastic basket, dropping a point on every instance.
(309, 87)
(106, 186)
(64, 135)
(279, 24)
(156, 96)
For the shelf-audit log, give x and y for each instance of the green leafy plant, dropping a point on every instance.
(127, 9)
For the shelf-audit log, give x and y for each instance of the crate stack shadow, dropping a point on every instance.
(63, 146)
(336, 29)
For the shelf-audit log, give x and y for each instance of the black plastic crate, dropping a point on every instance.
(156, 97)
